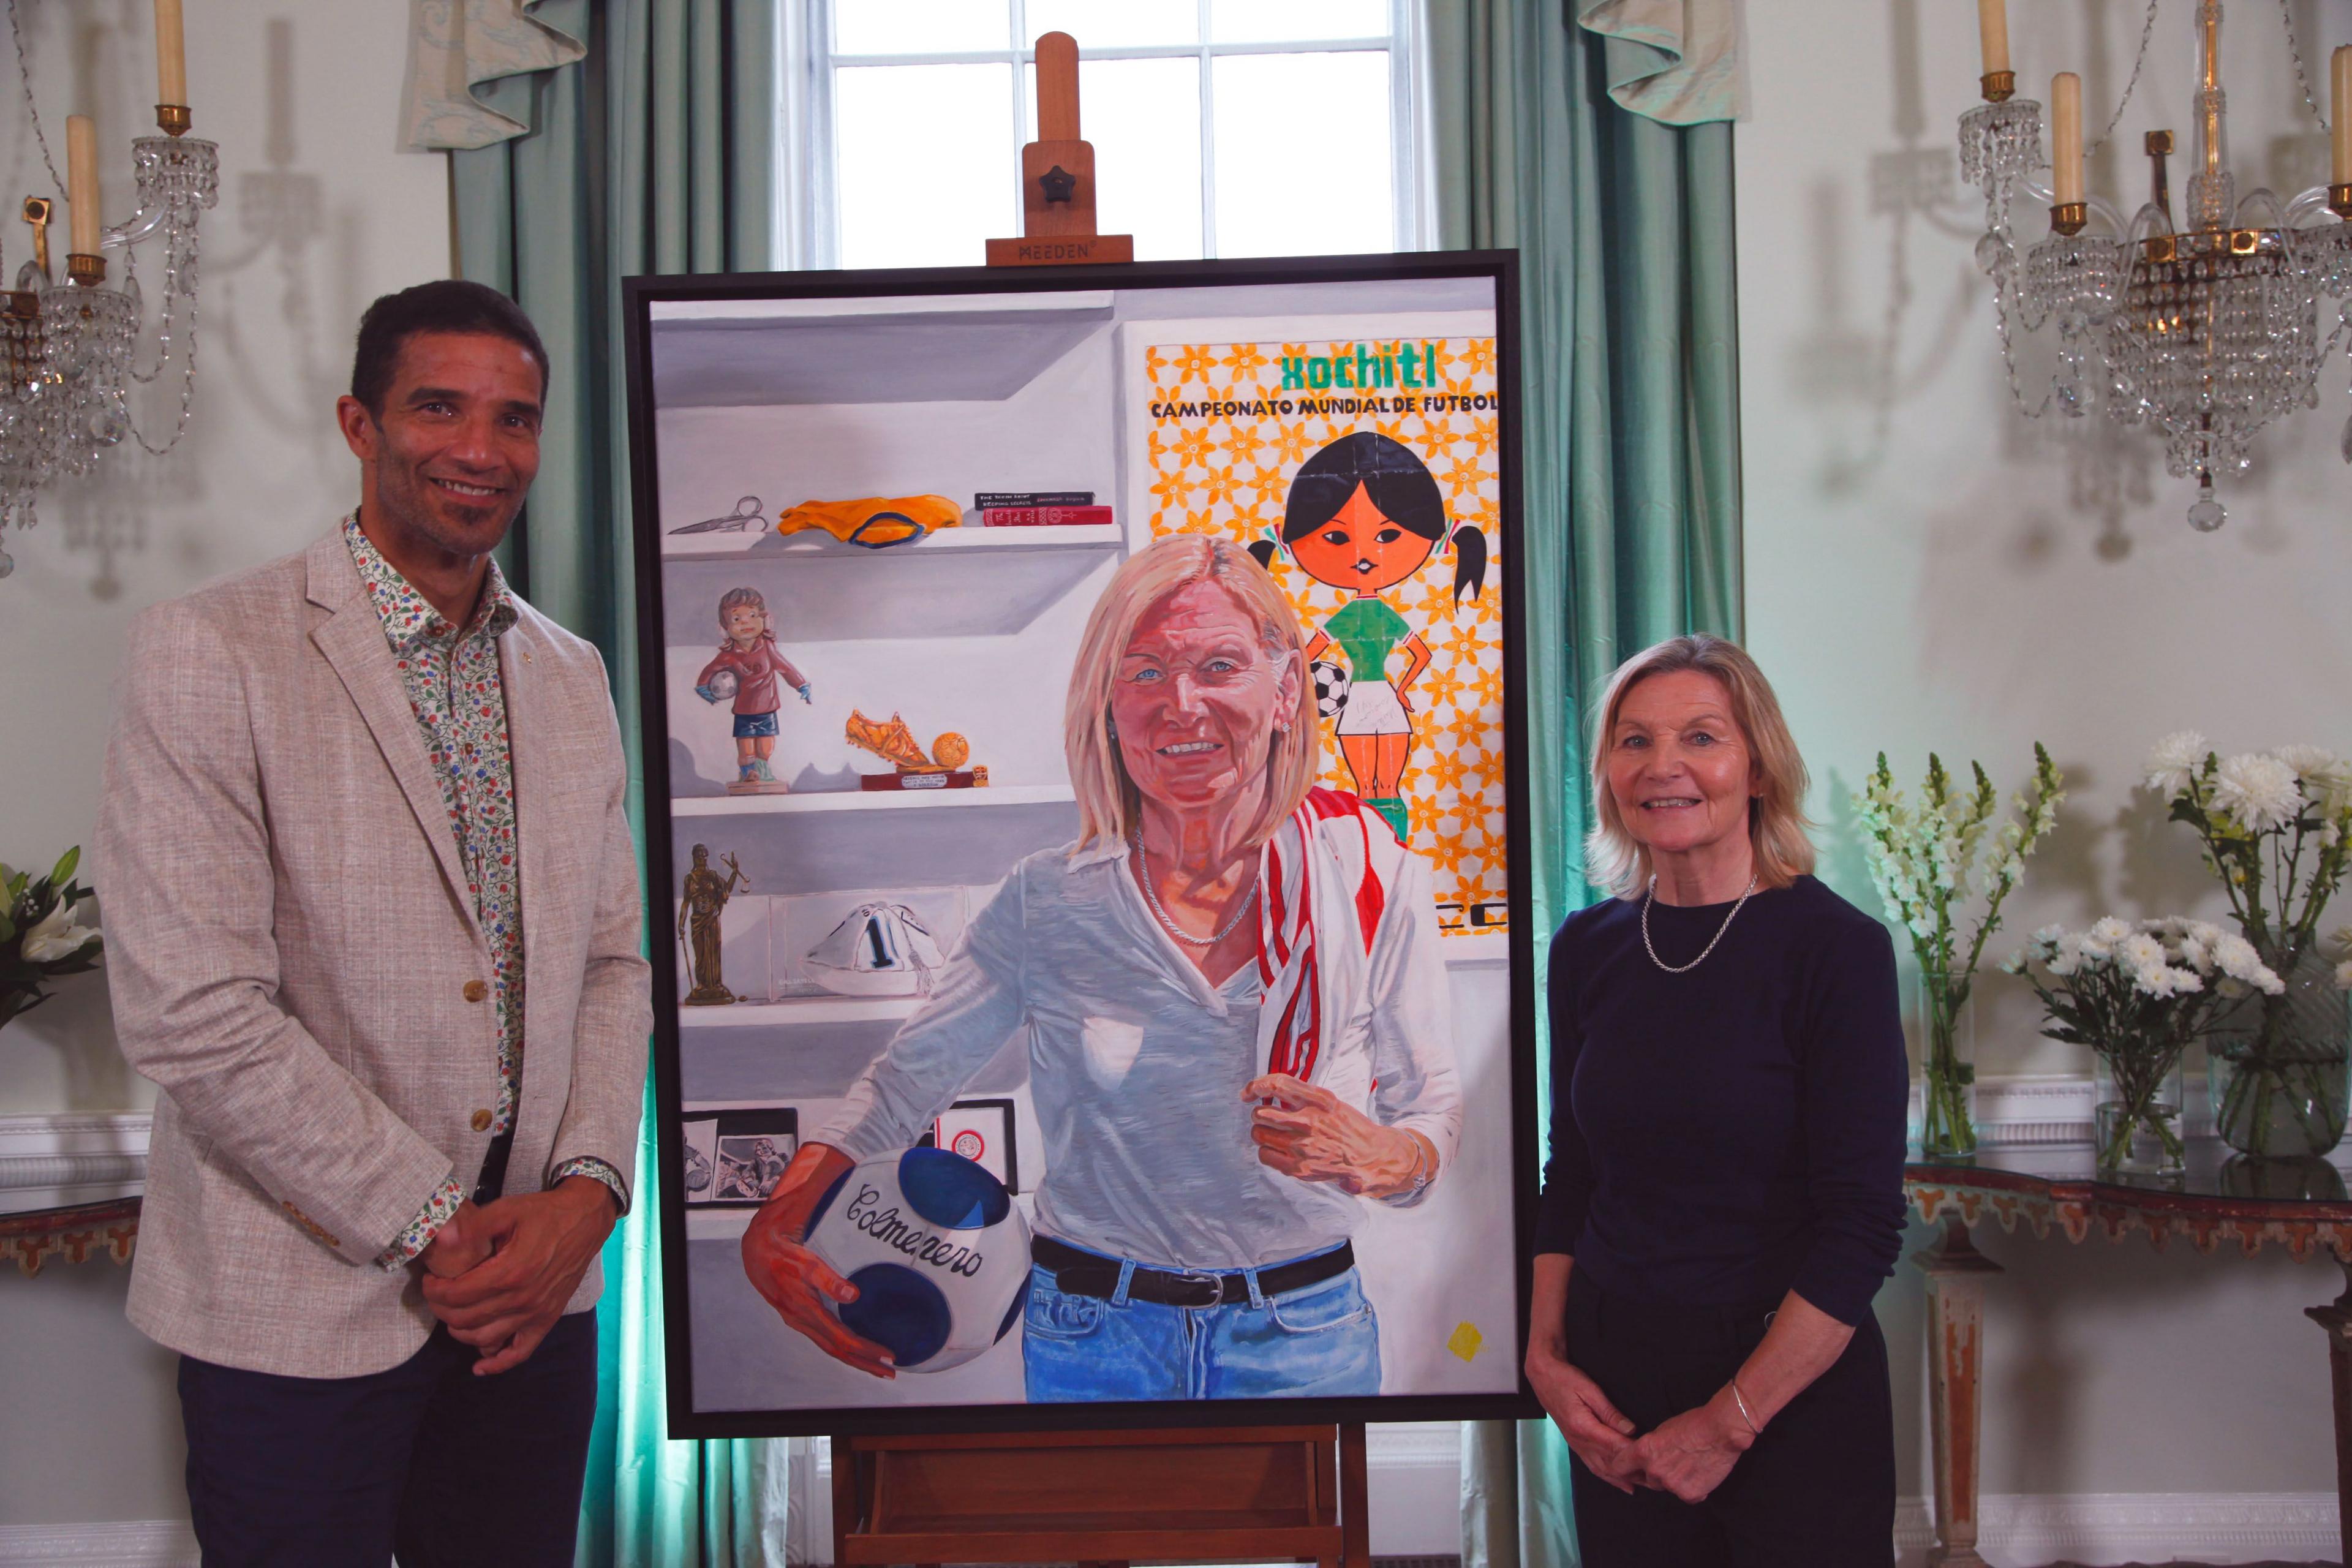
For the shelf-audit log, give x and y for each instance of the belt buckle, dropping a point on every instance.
(1195, 1282)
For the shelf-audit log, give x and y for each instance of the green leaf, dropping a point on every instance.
(66, 864)
(1966, 1072)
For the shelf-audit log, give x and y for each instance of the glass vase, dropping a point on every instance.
(2135, 1116)
(1947, 1071)
(2278, 1066)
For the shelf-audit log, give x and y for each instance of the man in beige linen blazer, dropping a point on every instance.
(303, 959)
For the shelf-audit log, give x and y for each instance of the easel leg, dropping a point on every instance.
(1355, 1493)
(2336, 1319)
(845, 1496)
(1956, 1272)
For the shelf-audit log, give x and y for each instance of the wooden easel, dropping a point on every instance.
(1244, 1493)
(1100, 1499)
(1057, 176)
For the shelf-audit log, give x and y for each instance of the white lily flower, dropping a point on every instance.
(56, 936)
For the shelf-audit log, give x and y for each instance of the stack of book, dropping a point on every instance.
(1039, 508)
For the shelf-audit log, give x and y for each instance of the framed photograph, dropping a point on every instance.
(730, 1155)
(1081, 773)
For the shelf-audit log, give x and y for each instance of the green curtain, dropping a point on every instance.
(1624, 227)
(653, 154)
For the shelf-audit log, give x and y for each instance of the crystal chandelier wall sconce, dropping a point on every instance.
(70, 351)
(2206, 330)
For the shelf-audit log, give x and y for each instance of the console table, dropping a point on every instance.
(2301, 1205)
(74, 1234)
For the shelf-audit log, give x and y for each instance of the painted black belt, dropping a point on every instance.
(1077, 1273)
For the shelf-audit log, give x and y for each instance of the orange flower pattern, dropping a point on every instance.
(1453, 787)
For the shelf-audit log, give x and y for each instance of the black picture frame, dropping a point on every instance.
(639, 295)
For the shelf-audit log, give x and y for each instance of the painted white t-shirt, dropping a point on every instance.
(1137, 1064)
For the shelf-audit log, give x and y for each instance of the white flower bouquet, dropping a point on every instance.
(1929, 863)
(2277, 828)
(38, 938)
(2139, 996)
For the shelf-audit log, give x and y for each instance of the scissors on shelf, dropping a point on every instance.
(745, 517)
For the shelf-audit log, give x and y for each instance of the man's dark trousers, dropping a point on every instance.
(427, 1460)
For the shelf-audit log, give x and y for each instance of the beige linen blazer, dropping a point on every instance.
(295, 960)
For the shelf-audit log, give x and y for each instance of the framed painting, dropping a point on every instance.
(1081, 770)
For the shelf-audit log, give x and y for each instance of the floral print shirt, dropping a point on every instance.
(454, 689)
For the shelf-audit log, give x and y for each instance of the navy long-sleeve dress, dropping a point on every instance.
(1722, 1136)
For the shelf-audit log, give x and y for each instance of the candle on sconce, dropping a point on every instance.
(2066, 139)
(81, 182)
(1993, 31)
(171, 54)
(2342, 71)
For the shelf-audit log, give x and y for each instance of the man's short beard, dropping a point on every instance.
(408, 510)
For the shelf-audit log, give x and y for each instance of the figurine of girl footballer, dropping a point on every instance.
(750, 655)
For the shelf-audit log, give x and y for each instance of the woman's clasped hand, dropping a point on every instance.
(1687, 1455)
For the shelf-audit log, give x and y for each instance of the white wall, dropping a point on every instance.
(1926, 570)
(320, 212)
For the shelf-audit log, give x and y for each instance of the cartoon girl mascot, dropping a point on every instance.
(1364, 514)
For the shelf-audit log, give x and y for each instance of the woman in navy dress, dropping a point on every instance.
(1724, 1194)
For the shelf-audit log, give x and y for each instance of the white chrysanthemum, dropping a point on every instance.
(2258, 790)
(2068, 957)
(2015, 963)
(2140, 951)
(2110, 929)
(2236, 956)
(2344, 975)
(2175, 761)
(2309, 762)
(2342, 941)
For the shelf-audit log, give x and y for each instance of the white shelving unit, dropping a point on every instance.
(861, 800)
(801, 1010)
(969, 629)
(817, 547)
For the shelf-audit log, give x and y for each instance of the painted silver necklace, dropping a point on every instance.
(1650, 897)
(1143, 863)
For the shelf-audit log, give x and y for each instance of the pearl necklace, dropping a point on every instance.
(1143, 863)
(1651, 896)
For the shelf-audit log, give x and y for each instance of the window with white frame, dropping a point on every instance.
(1221, 127)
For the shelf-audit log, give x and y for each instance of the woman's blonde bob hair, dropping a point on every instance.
(1109, 803)
(1776, 817)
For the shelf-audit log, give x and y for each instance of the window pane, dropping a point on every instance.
(1275, 21)
(925, 155)
(1108, 23)
(1283, 186)
(1144, 119)
(919, 27)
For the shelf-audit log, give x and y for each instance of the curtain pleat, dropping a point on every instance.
(652, 155)
(1630, 441)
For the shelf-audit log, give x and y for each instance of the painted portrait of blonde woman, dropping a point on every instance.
(1238, 1024)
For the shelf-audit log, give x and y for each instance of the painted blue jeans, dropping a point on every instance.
(1322, 1339)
